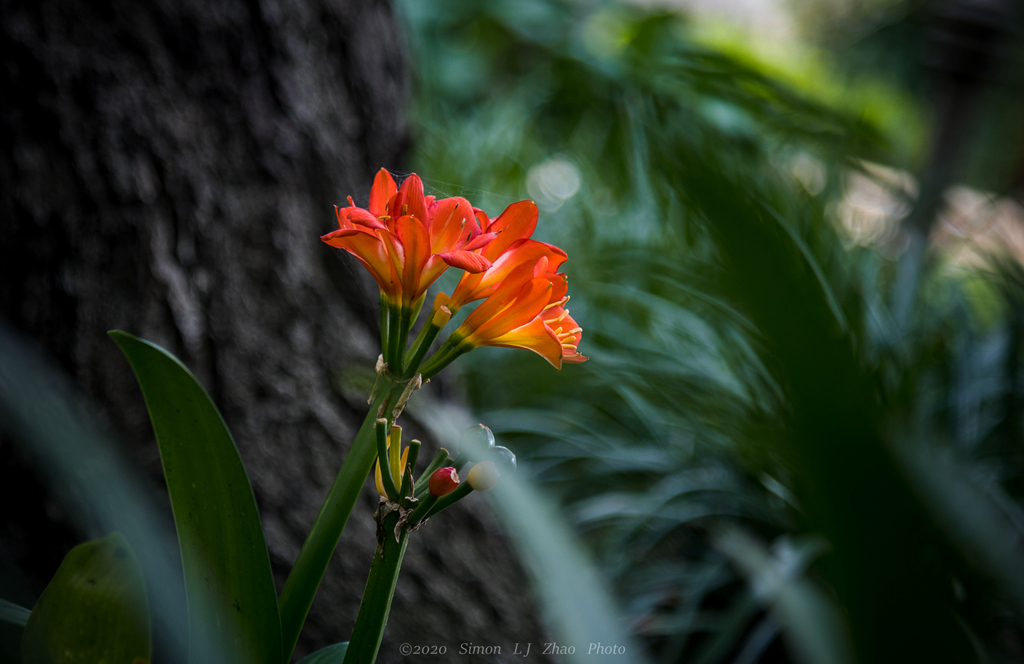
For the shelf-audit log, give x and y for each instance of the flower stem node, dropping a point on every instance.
(483, 476)
(443, 481)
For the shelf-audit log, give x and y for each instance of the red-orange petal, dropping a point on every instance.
(413, 236)
(368, 248)
(535, 336)
(334, 237)
(452, 224)
(481, 218)
(479, 242)
(409, 200)
(466, 260)
(568, 332)
(383, 189)
(517, 222)
(528, 303)
(432, 269)
(358, 217)
(560, 285)
(503, 296)
(394, 252)
(523, 252)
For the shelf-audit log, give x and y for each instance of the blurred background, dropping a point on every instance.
(794, 233)
(795, 239)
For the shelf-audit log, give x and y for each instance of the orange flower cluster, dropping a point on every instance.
(407, 240)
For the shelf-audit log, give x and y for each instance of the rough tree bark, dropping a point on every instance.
(166, 168)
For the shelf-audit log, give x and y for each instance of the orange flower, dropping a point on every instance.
(568, 332)
(510, 249)
(525, 310)
(406, 240)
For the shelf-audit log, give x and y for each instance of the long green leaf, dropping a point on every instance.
(330, 655)
(232, 603)
(94, 609)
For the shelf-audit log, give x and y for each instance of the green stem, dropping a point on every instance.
(421, 345)
(380, 590)
(414, 453)
(384, 336)
(406, 318)
(316, 552)
(394, 327)
(444, 502)
(442, 358)
(424, 506)
(406, 486)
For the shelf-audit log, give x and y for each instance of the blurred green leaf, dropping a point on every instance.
(233, 614)
(93, 610)
(13, 614)
(577, 606)
(986, 524)
(744, 351)
(330, 655)
(91, 479)
(814, 625)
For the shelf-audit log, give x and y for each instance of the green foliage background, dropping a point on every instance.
(766, 461)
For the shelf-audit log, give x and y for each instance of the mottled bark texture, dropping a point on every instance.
(166, 168)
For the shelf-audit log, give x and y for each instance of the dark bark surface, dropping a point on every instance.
(167, 168)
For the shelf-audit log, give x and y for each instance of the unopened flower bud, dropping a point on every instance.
(483, 476)
(443, 481)
(504, 459)
(476, 442)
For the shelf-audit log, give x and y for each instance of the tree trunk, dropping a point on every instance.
(167, 168)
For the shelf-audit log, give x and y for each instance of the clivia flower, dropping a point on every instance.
(525, 310)
(406, 240)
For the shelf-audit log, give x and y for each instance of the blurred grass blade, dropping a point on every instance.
(812, 623)
(575, 598)
(90, 479)
(94, 607)
(577, 606)
(728, 631)
(13, 614)
(761, 637)
(983, 522)
(228, 582)
(330, 655)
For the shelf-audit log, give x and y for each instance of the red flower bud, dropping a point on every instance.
(443, 482)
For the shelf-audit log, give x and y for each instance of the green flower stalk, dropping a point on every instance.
(308, 571)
